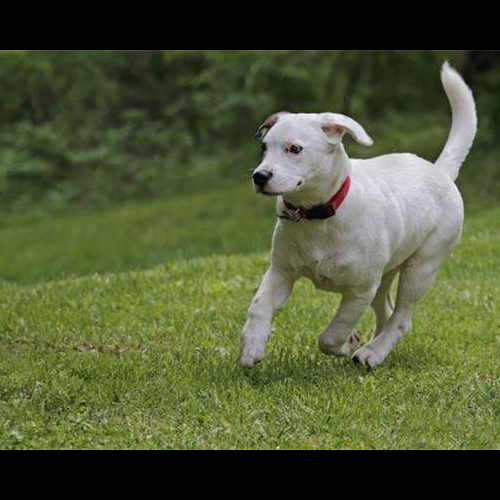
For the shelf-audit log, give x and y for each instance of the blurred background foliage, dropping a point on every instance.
(99, 127)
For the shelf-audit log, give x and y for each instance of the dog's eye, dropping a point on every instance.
(263, 149)
(295, 150)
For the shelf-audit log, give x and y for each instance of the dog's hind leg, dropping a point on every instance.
(417, 276)
(383, 304)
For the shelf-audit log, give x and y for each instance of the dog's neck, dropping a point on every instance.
(323, 191)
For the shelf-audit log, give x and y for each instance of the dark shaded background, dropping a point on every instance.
(99, 127)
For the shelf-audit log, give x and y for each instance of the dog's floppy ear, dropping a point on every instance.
(269, 124)
(335, 126)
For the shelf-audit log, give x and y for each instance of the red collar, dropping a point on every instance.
(320, 212)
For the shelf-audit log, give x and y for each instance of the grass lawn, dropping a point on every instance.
(137, 235)
(147, 358)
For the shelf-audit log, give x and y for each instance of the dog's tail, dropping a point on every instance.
(464, 127)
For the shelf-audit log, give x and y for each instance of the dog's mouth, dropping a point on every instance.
(265, 192)
(268, 193)
(262, 190)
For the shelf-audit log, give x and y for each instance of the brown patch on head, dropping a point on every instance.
(269, 124)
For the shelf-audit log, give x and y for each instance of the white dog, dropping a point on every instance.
(352, 226)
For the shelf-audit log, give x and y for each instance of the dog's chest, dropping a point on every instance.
(316, 251)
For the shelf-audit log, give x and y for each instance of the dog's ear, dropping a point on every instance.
(335, 126)
(269, 124)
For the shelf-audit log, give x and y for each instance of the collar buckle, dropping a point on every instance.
(291, 216)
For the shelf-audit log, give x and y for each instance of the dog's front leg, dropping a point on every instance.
(340, 339)
(273, 292)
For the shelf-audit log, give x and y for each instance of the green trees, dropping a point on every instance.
(98, 126)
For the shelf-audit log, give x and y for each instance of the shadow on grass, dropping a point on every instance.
(315, 369)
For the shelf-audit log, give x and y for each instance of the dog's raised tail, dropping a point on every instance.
(464, 126)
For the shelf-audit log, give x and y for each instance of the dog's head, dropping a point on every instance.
(298, 150)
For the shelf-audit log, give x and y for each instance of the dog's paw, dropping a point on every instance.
(368, 357)
(346, 349)
(251, 354)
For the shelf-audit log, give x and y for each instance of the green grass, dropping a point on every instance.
(137, 235)
(148, 359)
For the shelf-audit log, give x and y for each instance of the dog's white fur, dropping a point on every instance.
(403, 215)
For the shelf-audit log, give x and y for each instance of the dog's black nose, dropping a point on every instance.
(262, 177)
